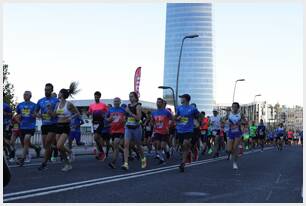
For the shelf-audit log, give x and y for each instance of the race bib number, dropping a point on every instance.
(95, 126)
(46, 117)
(184, 120)
(235, 128)
(159, 125)
(25, 112)
(131, 120)
(15, 126)
(203, 132)
(116, 119)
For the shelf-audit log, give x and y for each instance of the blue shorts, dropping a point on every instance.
(75, 135)
(234, 135)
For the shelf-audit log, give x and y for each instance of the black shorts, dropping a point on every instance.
(117, 135)
(45, 129)
(105, 136)
(183, 136)
(261, 137)
(215, 133)
(172, 131)
(161, 137)
(24, 132)
(63, 128)
(196, 136)
(97, 128)
(279, 138)
(148, 134)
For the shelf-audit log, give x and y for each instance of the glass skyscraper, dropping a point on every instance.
(196, 70)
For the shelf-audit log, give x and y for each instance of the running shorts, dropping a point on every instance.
(45, 129)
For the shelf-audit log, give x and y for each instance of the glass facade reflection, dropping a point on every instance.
(196, 70)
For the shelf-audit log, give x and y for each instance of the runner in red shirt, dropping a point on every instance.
(116, 117)
(161, 118)
(204, 124)
(290, 136)
(98, 111)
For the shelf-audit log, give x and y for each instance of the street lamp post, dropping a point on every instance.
(174, 101)
(179, 62)
(255, 113)
(257, 95)
(238, 80)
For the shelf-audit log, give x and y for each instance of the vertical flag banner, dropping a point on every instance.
(137, 80)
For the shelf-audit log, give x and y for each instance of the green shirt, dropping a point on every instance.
(253, 130)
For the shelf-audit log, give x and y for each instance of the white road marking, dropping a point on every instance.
(269, 195)
(199, 194)
(82, 184)
(277, 180)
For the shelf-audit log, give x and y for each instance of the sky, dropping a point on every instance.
(100, 45)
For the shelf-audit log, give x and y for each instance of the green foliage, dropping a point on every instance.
(8, 88)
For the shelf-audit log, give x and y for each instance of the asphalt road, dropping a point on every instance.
(269, 176)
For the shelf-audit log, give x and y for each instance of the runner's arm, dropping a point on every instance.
(73, 110)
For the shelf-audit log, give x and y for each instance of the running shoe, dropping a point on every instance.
(102, 156)
(112, 165)
(216, 155)
(28, 159)
(12, 160)
(125, 166)
(67, 167)
(71, 157)
(37, 150)
(53, 159)
(235, 166)
(168, 155)
(20, 162)
(210, 151)
(143, 162)
(182, 167)
(43, 166)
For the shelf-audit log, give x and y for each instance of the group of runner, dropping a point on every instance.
(127, 130)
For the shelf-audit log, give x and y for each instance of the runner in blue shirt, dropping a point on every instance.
(26, 114)
(280, 135)
(184, 117)
(105, 132)
(45, 109)
(75, 131)
(7, 117)
(261, 134)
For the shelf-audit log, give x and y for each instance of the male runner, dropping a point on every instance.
(117, 117)
(161, 118)
(45, 109)
(215, 122)
(184, 117)
(261, 133)
(98, 110)
(26, 114)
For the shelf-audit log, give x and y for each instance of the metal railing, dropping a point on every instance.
(86, 137)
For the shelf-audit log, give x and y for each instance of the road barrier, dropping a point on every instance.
(86, 137)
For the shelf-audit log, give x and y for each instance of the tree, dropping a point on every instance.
(8, 88)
